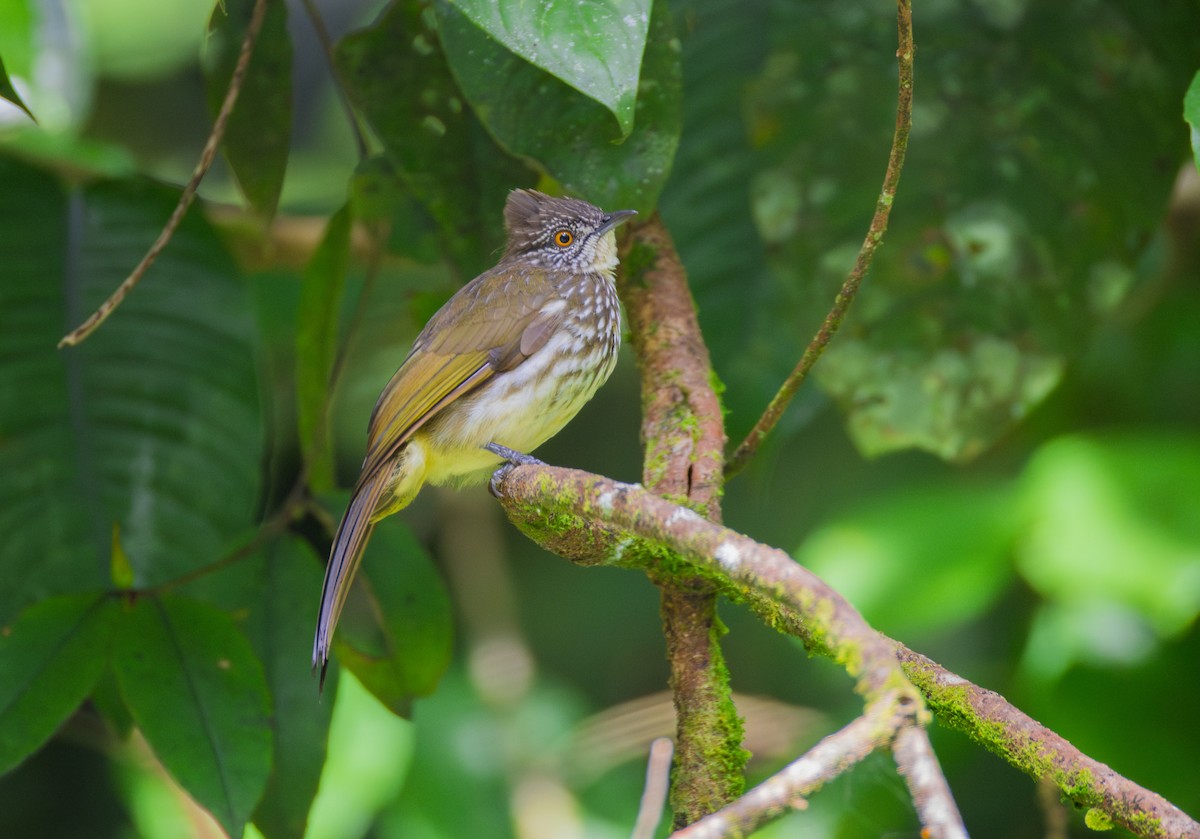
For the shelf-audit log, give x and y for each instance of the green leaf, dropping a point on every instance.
(106, 699)
(379, 197)
(595, 48)
(317, 345)
(258, 135)
(920, 561)
(1112, 522)
(50, 658)
(1191, 115)
(197, 692)
(950, 402)
(152, 423)
(542, 118)
(16, 36)
(397, 77)
(7, 91)
(1042, 230)
(396, 632)
(280, 629)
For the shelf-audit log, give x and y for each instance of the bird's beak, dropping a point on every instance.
(613, 219)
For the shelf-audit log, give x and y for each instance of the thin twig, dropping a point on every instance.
(322, 32)
(883, 208)
(927, 784)
(654, 795)
(788, 789)
(189, 191)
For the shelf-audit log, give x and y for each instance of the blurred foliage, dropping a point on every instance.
(1024, 352)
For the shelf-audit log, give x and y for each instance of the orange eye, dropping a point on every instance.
(564, 238)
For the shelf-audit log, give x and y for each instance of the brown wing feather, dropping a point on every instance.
(466, 343)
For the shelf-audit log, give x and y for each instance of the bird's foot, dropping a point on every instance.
(512, 458)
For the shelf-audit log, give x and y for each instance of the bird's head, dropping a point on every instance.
(563, 234)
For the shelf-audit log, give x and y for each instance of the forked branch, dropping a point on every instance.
(643, 524)
(598, 521)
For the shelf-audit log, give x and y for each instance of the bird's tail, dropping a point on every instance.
(344, 559)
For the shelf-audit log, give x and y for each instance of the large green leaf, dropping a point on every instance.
(152, 423)
(595, 47)
(1033, 187)
(197, 692)
(50, 658)
(280, 626)
(396, 631)
(258, 135)
(317, 345)
(542, 118)
(397, 77)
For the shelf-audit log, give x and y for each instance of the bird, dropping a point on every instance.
(507, 362)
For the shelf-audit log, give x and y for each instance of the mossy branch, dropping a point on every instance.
(628, 527)
(683, 432)
(644, 529)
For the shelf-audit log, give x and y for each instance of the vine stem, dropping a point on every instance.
(188, 195)
(845, 296)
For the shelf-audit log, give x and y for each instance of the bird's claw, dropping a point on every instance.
(512, 458)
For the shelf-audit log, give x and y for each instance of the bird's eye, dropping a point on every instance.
(563, 238)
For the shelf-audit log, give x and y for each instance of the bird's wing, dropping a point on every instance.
(495, 327)
(460, 348)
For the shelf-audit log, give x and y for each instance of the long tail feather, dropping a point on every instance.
(344, 559)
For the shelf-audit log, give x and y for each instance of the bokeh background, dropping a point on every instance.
(999, 462)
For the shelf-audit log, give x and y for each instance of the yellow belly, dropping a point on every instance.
(521, 409)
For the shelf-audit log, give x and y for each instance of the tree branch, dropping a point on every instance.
(599, 521)
(207, 156)
(658, 771)
(829, 624)
(987, 718)
(883, 207)
(664, 533)
(927, 785)
(787, 789)
(682, 425)
(683, 434)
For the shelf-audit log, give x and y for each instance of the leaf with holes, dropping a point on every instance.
(197, 692)
(397, 76)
